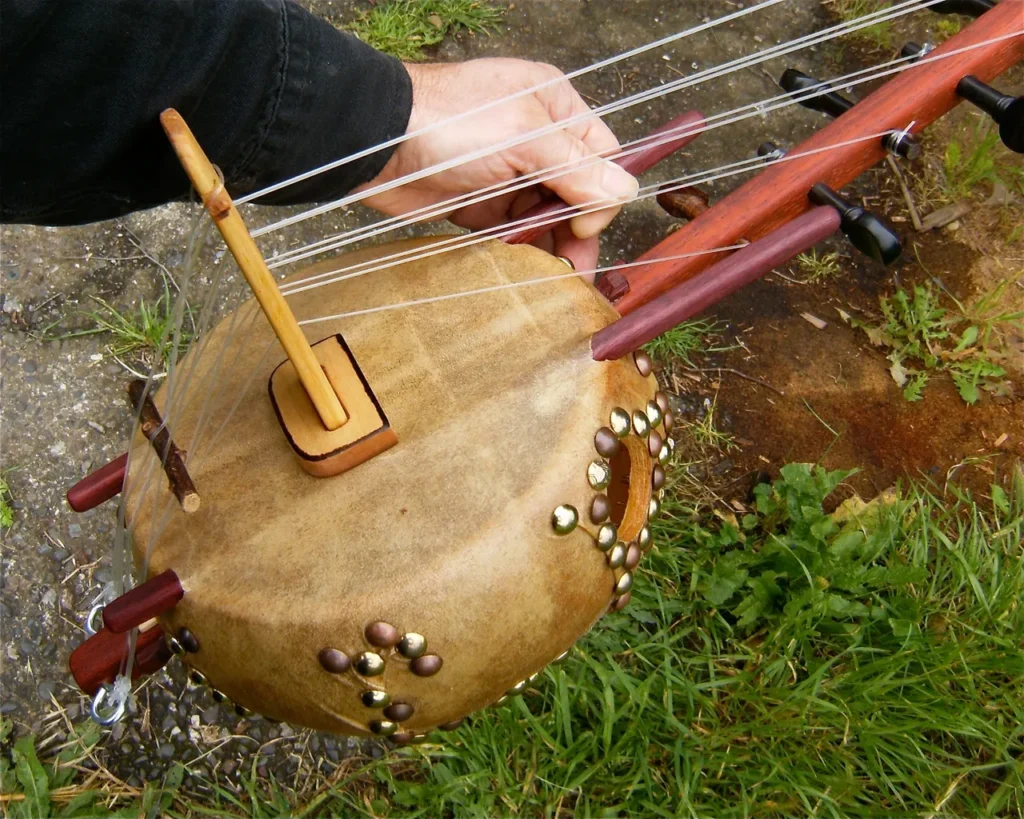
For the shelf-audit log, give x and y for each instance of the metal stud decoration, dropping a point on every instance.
(564, 519)
(620, 422)
(599, 474)
(606, 536)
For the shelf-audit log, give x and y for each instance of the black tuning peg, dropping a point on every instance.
(1007, 111)
(969, 8)
(915, 51)
(866, 232)
(769, 151)
(826, 100)
(819, 96)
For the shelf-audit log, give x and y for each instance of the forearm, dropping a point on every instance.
(269, 91)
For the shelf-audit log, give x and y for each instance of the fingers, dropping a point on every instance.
(601, 182)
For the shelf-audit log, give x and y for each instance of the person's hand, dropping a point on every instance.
(441, 91)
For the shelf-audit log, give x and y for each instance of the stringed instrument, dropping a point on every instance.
(409, 513)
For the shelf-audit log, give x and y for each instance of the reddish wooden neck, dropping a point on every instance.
(921, 95)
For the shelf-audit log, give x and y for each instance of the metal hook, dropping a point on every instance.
(91, 627)
(95, 709)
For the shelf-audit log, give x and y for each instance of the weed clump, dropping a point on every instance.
(404, 28)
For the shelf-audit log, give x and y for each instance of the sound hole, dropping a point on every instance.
(629, 492)
(618, 489)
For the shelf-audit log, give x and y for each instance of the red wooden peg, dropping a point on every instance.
(98, 486)
(689, 124)
(713, 284)
(151, 599)
(104, 655)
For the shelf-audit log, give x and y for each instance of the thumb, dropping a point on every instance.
(600, 182)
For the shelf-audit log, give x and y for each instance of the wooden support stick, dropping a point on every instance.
(166, 450)
(210, 187)
(727, 276)
(104, 655)
(636, 163)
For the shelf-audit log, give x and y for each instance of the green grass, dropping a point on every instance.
(404, 28)
(924, 338)
(783, 662)
(6, 510)
(689, 338)
(147, 333)
(818, 269)
(705, 432)
(879, 35)
(975, 156)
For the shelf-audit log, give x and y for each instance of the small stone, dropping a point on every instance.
(58, 449)
(29, 366)
(166, 751)
(74, 530)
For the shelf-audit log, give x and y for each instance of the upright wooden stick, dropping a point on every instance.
(229, 222)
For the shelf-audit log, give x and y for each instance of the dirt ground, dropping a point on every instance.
(818, 394)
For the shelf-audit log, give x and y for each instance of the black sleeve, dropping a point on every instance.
(269, 90)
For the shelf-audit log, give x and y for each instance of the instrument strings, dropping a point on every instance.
(905, 7)
(635, 52)
(724, 171)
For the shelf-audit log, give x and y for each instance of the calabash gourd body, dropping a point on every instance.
(462, 536)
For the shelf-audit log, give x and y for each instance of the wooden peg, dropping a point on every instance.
(132, 609)
(99, 486)
(210, 187)
(104, 655)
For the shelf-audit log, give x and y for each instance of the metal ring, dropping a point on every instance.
(90, 625)
(114, 715)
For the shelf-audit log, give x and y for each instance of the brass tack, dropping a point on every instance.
(412, 645)
(451, 726)
(670, 442)
(657, 477)
(188, 640)
(501, 700)
(218, 696)
(242, 711)
(375, 699)
(624, 584)
(517, 689)
(632, 557)
(403, 737)
(621, 602)
(606, 442)
(382, 635)
(653, 508)
(641, 426)
(643, 363)
(662, 401)
(399, 711)
(599, 474)
(426, 666)
(620, 423)
(369, 664)
(606, 536)
(196, 677)
(654, 443)
(564, 519)
(600, 508)
(668, 419)
(566, 261)
(654, 413)
(383, 728)
(617, 556)
(643, 539)
(665, 455)
(334, 661)
(174, 644)
(561, 657)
